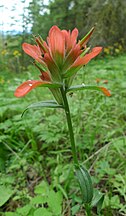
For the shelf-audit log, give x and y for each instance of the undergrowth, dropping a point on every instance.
(35, 156)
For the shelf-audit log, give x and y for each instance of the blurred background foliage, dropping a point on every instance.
(107, 15)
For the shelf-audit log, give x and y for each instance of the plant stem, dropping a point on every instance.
(73, 147)
(70, 127)
(88, 209)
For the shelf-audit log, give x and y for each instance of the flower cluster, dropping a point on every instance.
(16, 53)
(58, 60)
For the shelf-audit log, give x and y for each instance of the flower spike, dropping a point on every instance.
(58, 60)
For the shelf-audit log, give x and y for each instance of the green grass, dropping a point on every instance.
(36, 147)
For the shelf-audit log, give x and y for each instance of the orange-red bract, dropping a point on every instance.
(58, 58)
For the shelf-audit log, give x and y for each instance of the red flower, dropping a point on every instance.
(57, 59)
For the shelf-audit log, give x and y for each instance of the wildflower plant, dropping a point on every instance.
(59, 59)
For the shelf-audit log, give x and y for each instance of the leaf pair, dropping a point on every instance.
(90, 196)
(54, 104)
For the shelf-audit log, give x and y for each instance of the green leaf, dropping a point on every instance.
(89, 87)
(55, 202)
(5, 194)
(42, 212)
(42, 189)
(47, 104)
(23, 211)
(51, 85)
(11, 214)
(71, 71)
(39, 199)
(85, 184)
(97, 200)
(75, 209)
(115, 202)
(62, 190)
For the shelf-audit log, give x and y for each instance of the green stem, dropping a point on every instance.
(70, 127)
(88, 209)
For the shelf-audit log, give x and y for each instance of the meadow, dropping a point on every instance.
(35, 153)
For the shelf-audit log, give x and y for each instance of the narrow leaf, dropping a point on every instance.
(97, 200)
(89, 87)
(86, 37)
(48, 104)
(85, 184)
